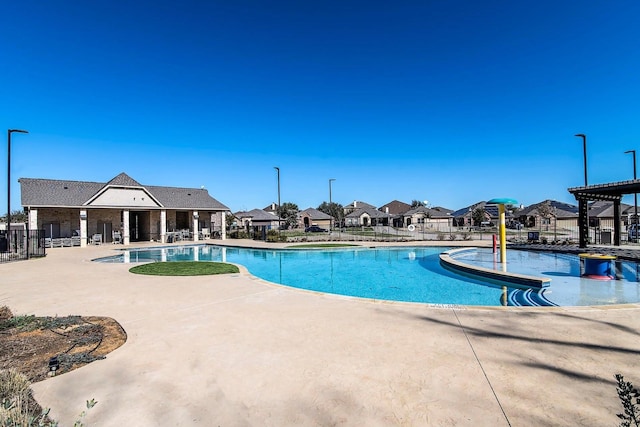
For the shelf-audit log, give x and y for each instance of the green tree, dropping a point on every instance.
(416, 203)
(545, 211)
(334, 209)
(288, 213)
(16, 216)
(478, 215)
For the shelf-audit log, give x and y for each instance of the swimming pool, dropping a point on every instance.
(410, 274)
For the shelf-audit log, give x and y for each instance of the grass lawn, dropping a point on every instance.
(184, 268)
(322, 245)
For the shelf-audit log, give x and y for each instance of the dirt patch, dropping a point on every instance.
(28, 343)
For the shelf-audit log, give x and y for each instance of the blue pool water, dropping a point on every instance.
(411, 274)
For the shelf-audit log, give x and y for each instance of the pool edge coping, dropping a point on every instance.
(483, 273)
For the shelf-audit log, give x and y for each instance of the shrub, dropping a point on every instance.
(18, 408)
(13, 385)
(627, 394)
(5, 313)
(272, 236)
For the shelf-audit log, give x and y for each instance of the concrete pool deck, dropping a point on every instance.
(235, 350)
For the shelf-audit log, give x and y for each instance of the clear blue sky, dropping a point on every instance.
(447, 101)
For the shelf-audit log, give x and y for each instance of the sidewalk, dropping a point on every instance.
(237, 351)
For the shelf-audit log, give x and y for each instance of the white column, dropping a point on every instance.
(195, 226)
(163, 226)
(223, 227)
(125, 224)
(83, 228)
(33, 219)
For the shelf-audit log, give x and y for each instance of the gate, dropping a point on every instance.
(20, 244)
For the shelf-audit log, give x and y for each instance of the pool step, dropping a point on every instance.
(529, 298)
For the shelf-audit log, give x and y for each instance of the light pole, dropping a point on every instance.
(278, 169)
(330, 204)
(9, 132)
(584, 152)
(635, 197)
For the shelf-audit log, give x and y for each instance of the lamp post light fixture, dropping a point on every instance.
(584, 152)
(9, 132)
(635, 197)
(330, 204)
(278, 170)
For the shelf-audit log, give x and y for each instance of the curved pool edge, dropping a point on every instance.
(244, 272)
(481, 273)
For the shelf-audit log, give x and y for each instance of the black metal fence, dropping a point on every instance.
(21, 244)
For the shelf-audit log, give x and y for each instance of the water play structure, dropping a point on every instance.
(597, 266)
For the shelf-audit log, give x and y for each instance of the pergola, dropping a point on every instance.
(612, 192)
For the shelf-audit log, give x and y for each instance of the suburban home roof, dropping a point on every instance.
(314, 214)
(437, 212)
(256, 215)
(37, 192)
(602, 209)
(467, 210)
(490, 210)
(396, 207)
(372, 212)
(562, 210)
(356, 204)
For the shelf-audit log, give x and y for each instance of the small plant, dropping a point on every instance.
(13, 384)
(440, 236)
(17, 407)
(90, 404)
(5, 313)
(272, 236)
(630, 399)
(452, 236)
(24, 323)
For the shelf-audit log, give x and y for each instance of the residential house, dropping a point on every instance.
(355, 205)
(601, 215)
(367, 216)
(396, 209)
(121, 208)
(311, 216)
(257, 222)
(562, 216)
(438, 218)
(464, 217)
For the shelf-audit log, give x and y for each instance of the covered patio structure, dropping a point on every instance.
(612, 192)
(121, 210)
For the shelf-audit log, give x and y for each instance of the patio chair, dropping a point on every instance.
(117, 238)
(205, 233)
(96, 239)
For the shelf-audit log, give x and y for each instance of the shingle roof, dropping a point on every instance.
(50, 193)
(563, 210)
(124, 180)
(603, 209)
(185, 198)
(464, 211)
(358, 205)
(437, 212)
(257, 215)
(315, 214)
(491, 210)
(372, 212)
(396, 207)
